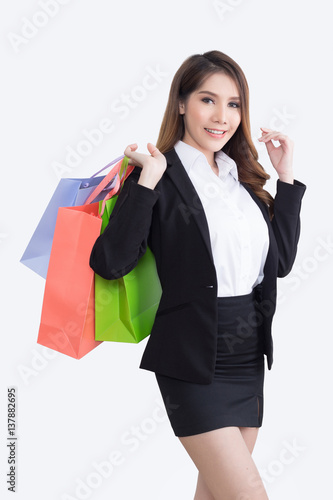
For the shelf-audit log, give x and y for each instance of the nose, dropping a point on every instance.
(220, 114)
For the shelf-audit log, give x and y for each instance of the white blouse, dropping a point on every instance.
(238, 231)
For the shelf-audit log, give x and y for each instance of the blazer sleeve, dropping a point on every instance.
(117, 251)
(286, 222)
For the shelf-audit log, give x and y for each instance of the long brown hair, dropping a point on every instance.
(191, 74)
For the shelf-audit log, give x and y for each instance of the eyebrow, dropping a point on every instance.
(215, 95)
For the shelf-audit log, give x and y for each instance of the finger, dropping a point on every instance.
(275, 136)
(269, 132)
(153, 150)
(265, 130)
(282, 138)
(270, 147)
(130, 148)
(137, 159)
(264, 133)
(266, 138)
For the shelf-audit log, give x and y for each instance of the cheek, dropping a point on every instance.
(197, 117)
(236, 121)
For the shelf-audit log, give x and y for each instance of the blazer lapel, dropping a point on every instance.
(192, 204)
(177, 173)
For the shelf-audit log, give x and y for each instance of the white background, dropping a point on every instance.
(66, 78)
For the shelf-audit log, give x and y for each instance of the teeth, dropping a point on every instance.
(217, 132)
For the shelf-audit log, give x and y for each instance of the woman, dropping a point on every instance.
(220, 241)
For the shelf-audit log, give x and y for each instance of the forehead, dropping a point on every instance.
(219, 84)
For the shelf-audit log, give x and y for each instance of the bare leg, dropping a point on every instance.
(250, 436)
(202, 492)
(225, 465)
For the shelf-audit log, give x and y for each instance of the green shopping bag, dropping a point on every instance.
(125, 308)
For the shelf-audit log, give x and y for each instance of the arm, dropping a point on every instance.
(286, 222)
(124, 240)
(117, 251)
(287, 203)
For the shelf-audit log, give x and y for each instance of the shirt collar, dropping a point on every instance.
(189, 155)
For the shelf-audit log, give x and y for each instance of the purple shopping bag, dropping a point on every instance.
(68, 193)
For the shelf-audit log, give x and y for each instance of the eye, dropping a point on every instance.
(207, 99)
(234, 104)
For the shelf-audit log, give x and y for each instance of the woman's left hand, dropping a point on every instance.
(281, 156)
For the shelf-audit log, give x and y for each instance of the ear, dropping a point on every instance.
(181, 108)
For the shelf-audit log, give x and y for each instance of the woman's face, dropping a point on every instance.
(211, 114)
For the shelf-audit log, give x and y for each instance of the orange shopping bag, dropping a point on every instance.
(68, 312)
(67, 322)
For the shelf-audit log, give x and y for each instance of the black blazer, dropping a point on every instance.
(171, 220)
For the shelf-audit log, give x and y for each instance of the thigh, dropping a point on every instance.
(250, 435)
(225, 463)
(202, 492)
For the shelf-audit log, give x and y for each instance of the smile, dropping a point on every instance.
(214, 132)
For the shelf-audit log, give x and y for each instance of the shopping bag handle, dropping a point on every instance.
(108, 165)
(86, 184)
(121, 171)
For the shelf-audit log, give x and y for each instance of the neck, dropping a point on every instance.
(215, 168)
(211, 159)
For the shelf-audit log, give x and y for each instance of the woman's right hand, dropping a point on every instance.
(153, 165)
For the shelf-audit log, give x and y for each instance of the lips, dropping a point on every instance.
(215, 133)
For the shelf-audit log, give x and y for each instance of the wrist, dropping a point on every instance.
(287, 177)
(147, 181)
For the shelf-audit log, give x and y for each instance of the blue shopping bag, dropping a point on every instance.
(68, 193)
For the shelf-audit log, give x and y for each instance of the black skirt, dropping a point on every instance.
(235, 396)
